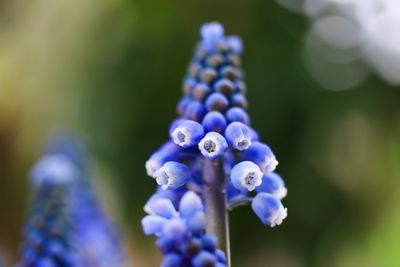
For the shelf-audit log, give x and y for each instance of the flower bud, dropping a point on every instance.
(246, 175)
(187, 133)
(273, 183)
(214, 121)
(269, 209)
(262, 155)
(216, 102)
(172, 174)
(213, 145)
(237, 114)
(238, 135)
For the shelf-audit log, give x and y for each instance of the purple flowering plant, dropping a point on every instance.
(213, 162)
(66, 224)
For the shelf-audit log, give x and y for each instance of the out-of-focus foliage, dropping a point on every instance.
(108, 69)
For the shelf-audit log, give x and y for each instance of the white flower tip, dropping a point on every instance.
(152, 167)
(278, 216)
(181, 136)
(212, 145)
(242, 142)
(269, 165)
(253, 178)
(162, 178)
(281, 192)
(55, 169)
(211, 30)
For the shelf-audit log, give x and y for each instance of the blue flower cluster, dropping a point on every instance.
(49, 233)
(178, 220)
(99, 241)
(213, 125)
(67, 225)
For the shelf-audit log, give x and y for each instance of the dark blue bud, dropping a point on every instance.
(240, 87)
(216, 102)
(233, 59)
(238, 135)
(208, 75)
(204, 259)
(165, 244)
(214, 121)
(209, 242)
(224, 86)
(239, 100)
(215, 60)
(222, 46)
(188, 85)
(237, 114)
(231, 73)
(191, 247)
(200, 91)
(221, 257)
(187, 133)
(194, 69)
(195, 110)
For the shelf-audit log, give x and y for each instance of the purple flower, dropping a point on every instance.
(269, 209)
(214, 95)
(187, 133)
(213, 145)
(246, 175)
(172, 174)
(238, 136)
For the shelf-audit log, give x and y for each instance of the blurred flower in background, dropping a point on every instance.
(349, 38)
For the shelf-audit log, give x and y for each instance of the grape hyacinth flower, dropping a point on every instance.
(213, 162)
(67, 226)
(96, 234)
(49, 233)
(180, 232)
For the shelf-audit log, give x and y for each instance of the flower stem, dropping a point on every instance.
(216, 204)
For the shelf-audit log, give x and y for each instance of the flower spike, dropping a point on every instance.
(214, 161)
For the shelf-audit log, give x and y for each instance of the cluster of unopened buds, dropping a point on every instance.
(66, 225)
(213, 127)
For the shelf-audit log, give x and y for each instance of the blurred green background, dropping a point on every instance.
(110, 71)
